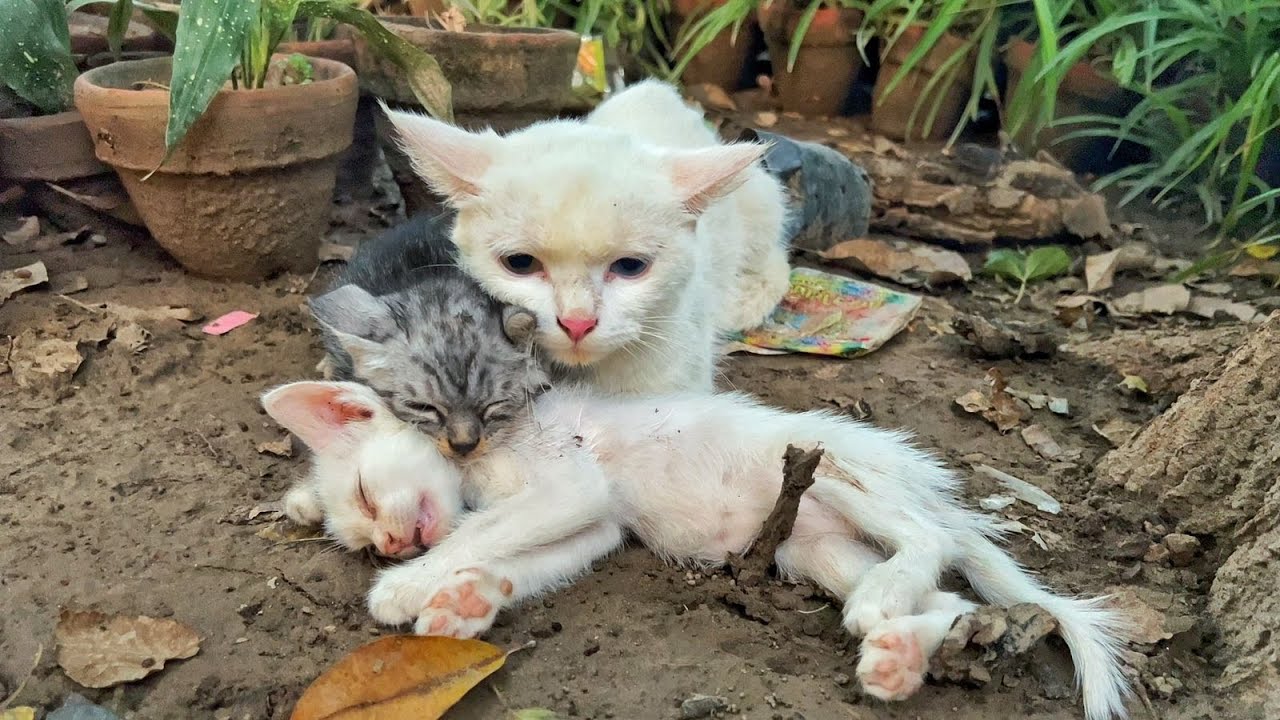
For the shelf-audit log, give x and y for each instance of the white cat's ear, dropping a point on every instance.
(320, 413)
(450, 159)
(705, 175)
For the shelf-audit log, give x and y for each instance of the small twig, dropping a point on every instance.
(34, 664)
(527, 646)
(815, 610)
(212, 449)
(798, 467)
(150, 84)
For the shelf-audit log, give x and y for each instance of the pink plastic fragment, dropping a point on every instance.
(228, 322)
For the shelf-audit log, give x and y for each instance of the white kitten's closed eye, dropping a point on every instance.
(375, 480)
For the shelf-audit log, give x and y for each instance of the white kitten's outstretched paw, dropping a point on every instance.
(302, 506)
(400, 594)
(892, 666)
(876, 600)
(465, 605)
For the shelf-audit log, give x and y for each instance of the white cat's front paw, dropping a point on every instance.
(302, 506)
(399, 594)
(892, 665)
(465, 605)
(878, 597)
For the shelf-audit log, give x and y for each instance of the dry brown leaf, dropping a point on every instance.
(902, 261)
(1116, 431)
(12, 281)
(1253, 267)
(1209, 307)
(402, 677)
(1162, 299)
(452, 19)
(280, 448)
(28, 229)
(766, 119)
(1100, 270)
(1038, 439)
(99, 650)
(974, 401)
(106, 196)
(136, 314)
(1007, 412)
(39, 361)
(712, 96)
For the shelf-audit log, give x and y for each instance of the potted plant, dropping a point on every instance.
(42, 137)
(495, 68)
(811, 47)
(936, 62)
(710, 41)
(228, 150)
(1093, 86)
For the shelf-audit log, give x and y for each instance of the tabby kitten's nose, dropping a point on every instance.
(463, 446)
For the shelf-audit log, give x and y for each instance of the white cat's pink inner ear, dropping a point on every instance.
(318, 413)
(703, 176)
(450, 159)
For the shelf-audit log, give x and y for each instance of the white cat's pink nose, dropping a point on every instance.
(392, 545)
(576, 326)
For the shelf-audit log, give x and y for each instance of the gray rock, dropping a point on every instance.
(700, 706)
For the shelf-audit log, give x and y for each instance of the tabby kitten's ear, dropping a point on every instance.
(359, 321)
(705, 175)
(321, 413)
(518, 325)
(450, 159)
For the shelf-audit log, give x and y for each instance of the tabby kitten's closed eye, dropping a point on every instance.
(443, 355)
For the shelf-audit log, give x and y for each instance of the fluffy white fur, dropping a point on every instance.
(642, 177)
(375, 480)
(693, 477)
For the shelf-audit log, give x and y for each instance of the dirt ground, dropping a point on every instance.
(126, 489)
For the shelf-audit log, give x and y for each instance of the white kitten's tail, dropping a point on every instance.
(1094, 634)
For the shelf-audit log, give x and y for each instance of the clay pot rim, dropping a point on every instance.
(1082, 79)
(53, 119)
(89, 82)
(490, 34)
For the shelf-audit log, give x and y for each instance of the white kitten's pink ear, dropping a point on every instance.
(320, 413)
(708, 174)
(450, 159)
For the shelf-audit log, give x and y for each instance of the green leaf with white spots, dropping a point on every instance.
(211, 35)
(35, 53)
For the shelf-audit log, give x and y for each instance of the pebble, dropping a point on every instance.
(1182, 548)
(840, 679)
(700, 706)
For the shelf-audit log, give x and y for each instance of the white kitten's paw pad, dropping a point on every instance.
(465, 606)
(892, 666)
(303, 507)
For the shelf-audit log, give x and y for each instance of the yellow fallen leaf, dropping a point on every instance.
(18, 713)
(1262, 252)
(401, 677)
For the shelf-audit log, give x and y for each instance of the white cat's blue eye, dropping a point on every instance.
(521, 263)
(629, 267)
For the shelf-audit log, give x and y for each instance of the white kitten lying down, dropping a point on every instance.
(693, 477)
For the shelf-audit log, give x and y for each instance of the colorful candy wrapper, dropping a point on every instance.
(591, 72)
(825, 314)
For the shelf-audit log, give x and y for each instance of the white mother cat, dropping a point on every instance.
(693, 477)
(635, 236)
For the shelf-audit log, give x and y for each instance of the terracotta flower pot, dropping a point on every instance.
(247, 192)
(722, 61)
(828, 61)
(891, 112)
(1083, 91)
(47, 147)
(492, 69)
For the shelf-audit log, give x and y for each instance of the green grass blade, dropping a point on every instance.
(117, 24)
(802, 27)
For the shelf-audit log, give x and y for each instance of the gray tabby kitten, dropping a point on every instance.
(443, 354)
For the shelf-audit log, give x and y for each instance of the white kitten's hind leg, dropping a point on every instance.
(302, 504)
(895, 654)
(822, 549)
